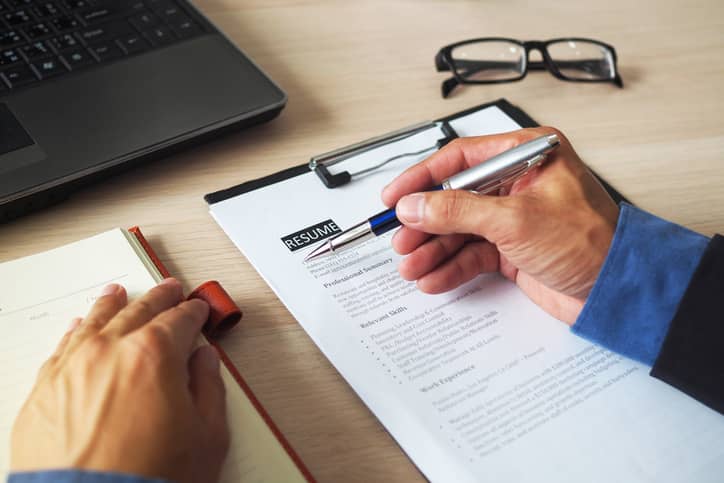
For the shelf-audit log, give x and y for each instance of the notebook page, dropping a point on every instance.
(39, 295)
(478, 384)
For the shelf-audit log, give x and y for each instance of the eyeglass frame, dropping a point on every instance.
(445, 62)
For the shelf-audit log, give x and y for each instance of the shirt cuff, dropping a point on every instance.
(77, 476)
(643, 278)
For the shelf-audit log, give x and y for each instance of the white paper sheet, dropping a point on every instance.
(478, 384)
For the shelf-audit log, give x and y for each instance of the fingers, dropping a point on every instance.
(453, 158)
(455, 211)
(472, 260)
(407, 239)
(207, 388)
(112, 299)
(429, 255)
(182, 325)
(162, 297)
(74, 324)
(61, 347)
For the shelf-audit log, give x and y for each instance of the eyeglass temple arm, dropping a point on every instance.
(448, 85)
(441, 63)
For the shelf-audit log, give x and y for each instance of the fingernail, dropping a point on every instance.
(169, 281)
(411, 208)
(210, 358)
(110, 289)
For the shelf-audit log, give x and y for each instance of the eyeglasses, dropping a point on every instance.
(492, 60)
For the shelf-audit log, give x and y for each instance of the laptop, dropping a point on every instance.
(91, 87)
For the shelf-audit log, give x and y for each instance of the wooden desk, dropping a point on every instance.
(357, 69)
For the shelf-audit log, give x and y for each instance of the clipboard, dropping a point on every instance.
(455, 378)
(514, 112)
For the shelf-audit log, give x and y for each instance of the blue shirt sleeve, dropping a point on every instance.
(76, 476)
(642, 280)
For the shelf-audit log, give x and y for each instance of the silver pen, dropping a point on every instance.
(483, 178)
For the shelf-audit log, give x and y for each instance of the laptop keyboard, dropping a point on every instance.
(42, 40)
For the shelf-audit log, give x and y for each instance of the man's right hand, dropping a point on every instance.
(550, 234)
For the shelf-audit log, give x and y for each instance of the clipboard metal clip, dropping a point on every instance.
(320, 163)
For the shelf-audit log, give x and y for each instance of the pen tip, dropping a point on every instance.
(319, 251)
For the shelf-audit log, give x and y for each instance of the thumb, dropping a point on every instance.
(456, 211)
(208, 392)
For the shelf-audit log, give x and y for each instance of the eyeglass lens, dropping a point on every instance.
(491, 60)
(577, 59)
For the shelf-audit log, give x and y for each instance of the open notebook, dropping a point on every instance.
(40, 294)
